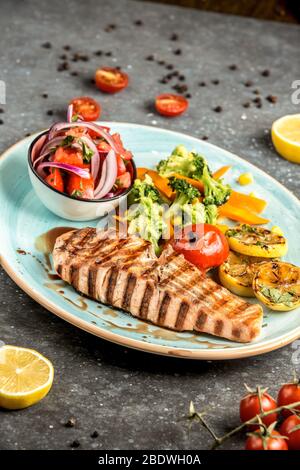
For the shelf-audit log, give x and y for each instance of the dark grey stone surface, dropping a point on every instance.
(134, 400)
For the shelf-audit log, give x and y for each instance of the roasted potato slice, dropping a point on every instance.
(277, 285)
(237, 272)
(256, 241)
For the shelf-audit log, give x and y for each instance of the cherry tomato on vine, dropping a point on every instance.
(272, 442)
(288, 429)
(171, 105)
(250, 407)
(289, 393)
(111, 80)
(86, 107)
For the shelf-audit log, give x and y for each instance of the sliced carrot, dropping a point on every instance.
(241, 214)
(160, 182)
(251, 203)
(221, 171)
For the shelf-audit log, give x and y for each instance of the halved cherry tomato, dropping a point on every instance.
(111, 80)
(272, 442)
(250, 407)
(203, 245)
(288, 429)
(124, 181)
(289, 393)
(120, 165)
(80, 187)
(68, 155)
(86, 107)
(171, 105)
(55, 179)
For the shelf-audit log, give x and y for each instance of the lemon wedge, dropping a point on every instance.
(25, 377)
(286, 137)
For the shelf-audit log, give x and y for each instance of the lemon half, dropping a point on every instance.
(25, 377)
(286, 137)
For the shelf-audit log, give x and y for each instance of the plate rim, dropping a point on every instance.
(201, 354)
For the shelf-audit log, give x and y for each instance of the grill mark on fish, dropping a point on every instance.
(74, 275)
(201, 320)
(111, 284)
(218, 327)
(181, 316)
(144, 307)
(131, 282)
(164, 308)
(92, 277)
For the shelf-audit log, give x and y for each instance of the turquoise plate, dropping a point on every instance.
(24, 219)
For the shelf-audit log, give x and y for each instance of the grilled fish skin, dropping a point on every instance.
(167, 291)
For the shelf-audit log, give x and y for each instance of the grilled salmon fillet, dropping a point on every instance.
(167, 291)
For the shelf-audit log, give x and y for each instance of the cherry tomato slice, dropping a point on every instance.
(86, 107)
(126, 154)
(171, 105)
(124, 181)
(68, 155)
(80, 187)
(203, 245)
(111, 80)
(55, 179)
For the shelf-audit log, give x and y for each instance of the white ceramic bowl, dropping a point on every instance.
(63, 205)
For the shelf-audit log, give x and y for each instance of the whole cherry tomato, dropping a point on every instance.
(288, 429)
(289, 393)
(250, 407)
(272, 442)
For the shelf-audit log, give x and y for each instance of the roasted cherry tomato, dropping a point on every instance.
(111, 80)
(120, 165)
(80, 187)
(55, 179)
(68, 155)
(250, 407)
(203, 245)
(124, 181)
(288, 429)
(289, 393)
(272, 442)
(171, 105)
(86, 107)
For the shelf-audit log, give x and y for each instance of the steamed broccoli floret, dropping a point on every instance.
(145, 216)
(211, 214)
(144, 189)
(185, 192)
(214, 191)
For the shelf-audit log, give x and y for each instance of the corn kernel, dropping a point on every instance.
(277, 230)
(245, 178)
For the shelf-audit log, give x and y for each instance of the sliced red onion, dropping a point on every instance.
(70, 113)
(65, 166)
(102, 179)
(95, 160)
(94, 127)
(111, 175)
(37, 147)
(46, 149)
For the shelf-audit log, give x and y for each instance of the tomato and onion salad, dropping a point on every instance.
(83, 159)
(204, 245)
